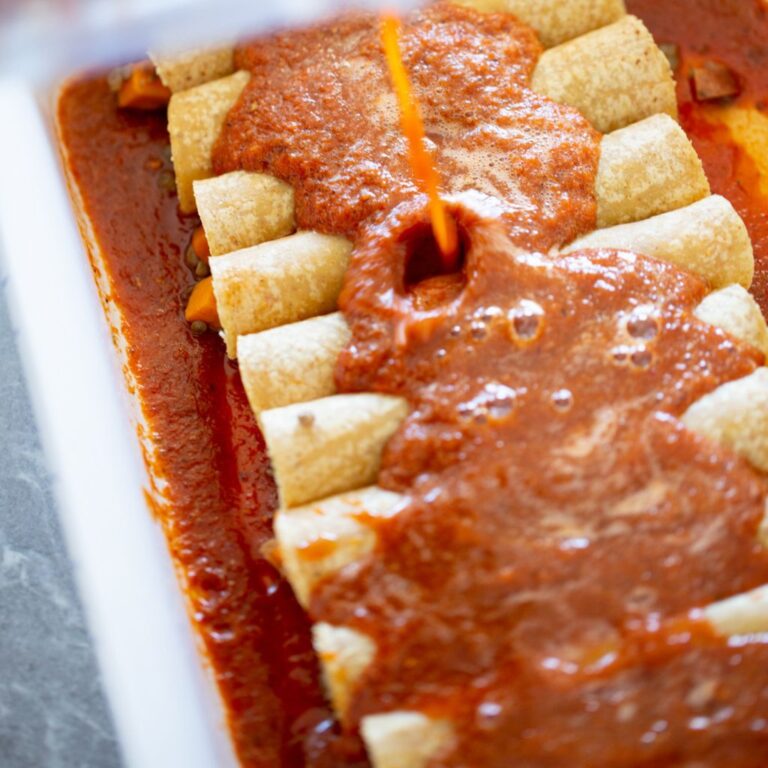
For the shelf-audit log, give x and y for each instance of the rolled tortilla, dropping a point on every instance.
(614, 76)
(241, 209)
(555, 21)
(344, 655)
(321, 538)
(278, 282)
(735, 311)
(194, 67)
(293, 363)
(329, 446)
(404, 739)
(736, 415)
(195, 119)
(707, 238)
(646, 169)
(745, 614)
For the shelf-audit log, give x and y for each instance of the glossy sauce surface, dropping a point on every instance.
(320, 113)
(539, 586)
(221, 498)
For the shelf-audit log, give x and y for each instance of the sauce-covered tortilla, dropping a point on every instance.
(538, 589)
(320, 113)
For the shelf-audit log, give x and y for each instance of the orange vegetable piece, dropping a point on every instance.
(143, 90)
(714, 81)
(200, 245)
(422, 161)
(202, 305)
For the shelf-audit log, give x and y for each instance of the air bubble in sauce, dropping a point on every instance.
(641, 357)
(621, 354)
(526, 320)
(495, 402)
(562, 399)
(642, 324)
(488, 715)
(478, 330)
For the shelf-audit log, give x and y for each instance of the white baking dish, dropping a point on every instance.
(164, 705)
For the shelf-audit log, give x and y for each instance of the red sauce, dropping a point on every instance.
(220, 495)
(346, 157)
(558, 515)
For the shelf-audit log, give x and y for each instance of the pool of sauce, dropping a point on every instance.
(220, 496)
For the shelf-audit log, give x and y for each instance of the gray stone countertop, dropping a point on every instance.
(52, 708)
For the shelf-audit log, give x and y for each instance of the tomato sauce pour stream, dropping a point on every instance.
(422, 162)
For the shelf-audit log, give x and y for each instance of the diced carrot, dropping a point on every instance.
(143, 90)
(202, 305)
(714, 81)
(200, 245)
(672, 52)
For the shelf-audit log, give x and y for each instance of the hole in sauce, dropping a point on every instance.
(426, 279)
